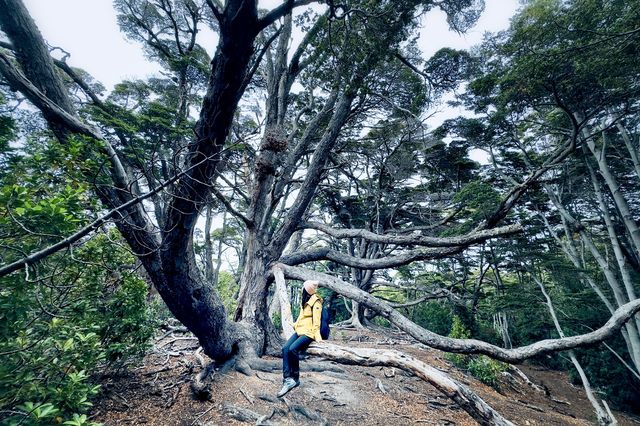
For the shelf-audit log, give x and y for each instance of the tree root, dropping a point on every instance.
(250, 416)
(477, 408)
(202, 383)
(241, 414)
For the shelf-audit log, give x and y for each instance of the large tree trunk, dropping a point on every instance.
(252, 309)
(173, 268)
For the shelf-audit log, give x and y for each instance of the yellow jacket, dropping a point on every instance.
(308, 323)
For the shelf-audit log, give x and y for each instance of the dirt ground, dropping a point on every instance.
(158, 393)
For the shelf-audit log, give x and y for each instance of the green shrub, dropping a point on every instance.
(128, 323)
(434, 316)
(481, 367)
(227, 289)
(55, 334)
(277, 320)
(486, 370)
(458, 331)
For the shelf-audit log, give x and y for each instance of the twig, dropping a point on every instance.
(202, 414)
(175, 339)
(251, 400)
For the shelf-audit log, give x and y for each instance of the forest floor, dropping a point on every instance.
(158, 392)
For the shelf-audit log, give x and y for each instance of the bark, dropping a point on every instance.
(285, 304)
(633, 153)
(28, 44)
(327, 253)
(357, 312)
(460, 240)
(216, 271)
(501, 324)
(208, 246)
(468, 346)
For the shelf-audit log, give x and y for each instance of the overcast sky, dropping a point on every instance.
(88, 30)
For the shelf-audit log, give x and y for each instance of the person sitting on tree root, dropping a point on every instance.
(306, 330)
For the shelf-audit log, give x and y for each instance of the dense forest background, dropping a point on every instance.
(175, 195)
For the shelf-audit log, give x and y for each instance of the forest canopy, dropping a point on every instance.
(182, 194)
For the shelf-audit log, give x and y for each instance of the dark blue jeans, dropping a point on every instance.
(290, 355)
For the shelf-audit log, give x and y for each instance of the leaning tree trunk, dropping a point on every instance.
(252, 310)
(169, 259)
(621, 259)
(603, 415)
(622, 205)
(633, 334)
(633, 153)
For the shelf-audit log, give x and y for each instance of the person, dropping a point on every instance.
(306, 330)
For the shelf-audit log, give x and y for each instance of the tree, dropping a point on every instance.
(267, 177)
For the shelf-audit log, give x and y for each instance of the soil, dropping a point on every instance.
(158, 392)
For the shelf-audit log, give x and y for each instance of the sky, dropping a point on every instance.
(88, 30)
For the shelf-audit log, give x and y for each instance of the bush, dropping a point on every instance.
(55, 334)
(481, 367)
(486, 370)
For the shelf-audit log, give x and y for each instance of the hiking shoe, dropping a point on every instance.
(287, 385)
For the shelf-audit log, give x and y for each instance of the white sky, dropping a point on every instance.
(88, 30)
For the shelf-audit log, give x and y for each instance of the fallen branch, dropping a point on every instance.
(202, 414)
(524, 378)
(477, 408)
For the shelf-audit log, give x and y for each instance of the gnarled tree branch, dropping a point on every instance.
(477, 408)
(419, 240)
(468, 346)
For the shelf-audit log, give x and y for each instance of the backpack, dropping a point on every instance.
(325, 320)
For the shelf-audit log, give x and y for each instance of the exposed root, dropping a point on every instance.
(241, 414)
(275, 366)
(201, 383)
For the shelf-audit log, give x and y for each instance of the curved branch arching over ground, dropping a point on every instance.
(475, 406)
(467, 346)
